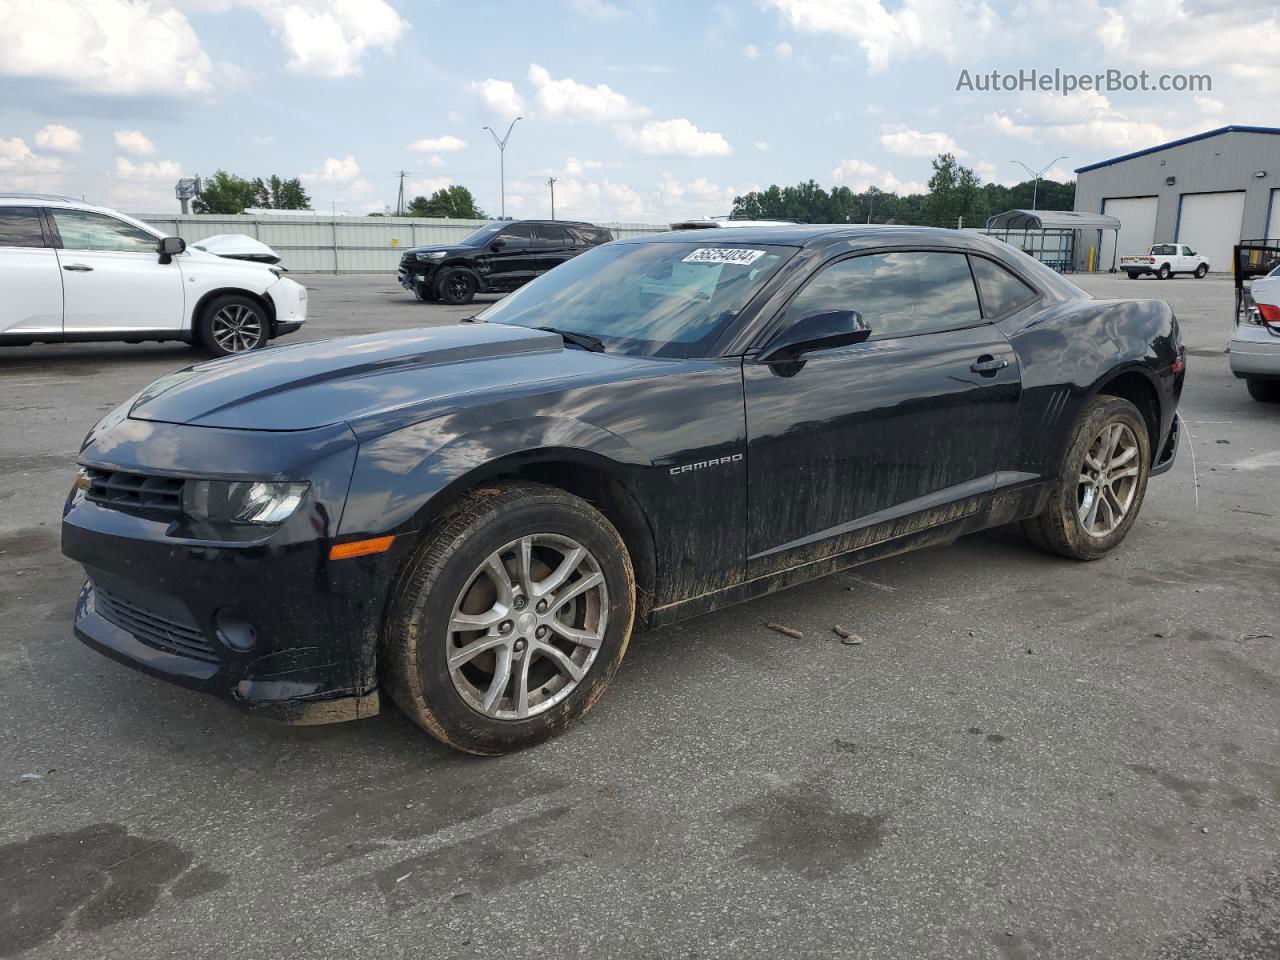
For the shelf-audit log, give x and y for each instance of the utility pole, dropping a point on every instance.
(551, 182)
(400, 196)
(502, 161)
(1036, 175)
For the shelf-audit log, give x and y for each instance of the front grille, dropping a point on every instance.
(181, 637)
(135, 491)
(407, 264)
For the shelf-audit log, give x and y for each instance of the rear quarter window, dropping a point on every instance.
(20, 227)
(1002, 292)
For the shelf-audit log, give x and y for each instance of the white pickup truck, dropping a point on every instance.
(1164, 260)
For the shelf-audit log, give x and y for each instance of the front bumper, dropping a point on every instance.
(1254, 353)
(413, 272)
(290, 300)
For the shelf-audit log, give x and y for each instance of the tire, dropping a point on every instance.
(233, 324)
(457, 286)
(1201, 271)
(424, 292)
(471, 706)
(1164, 273)
(1264, 391)
(1061, 528)
(1132, 276)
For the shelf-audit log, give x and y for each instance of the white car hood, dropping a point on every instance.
(238, 246)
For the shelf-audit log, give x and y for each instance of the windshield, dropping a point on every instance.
(479, 237)
(646, 299)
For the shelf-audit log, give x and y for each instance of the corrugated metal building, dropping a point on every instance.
(335, 244)
(1208, 191)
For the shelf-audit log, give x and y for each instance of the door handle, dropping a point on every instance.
(988, 365)
(77, 267)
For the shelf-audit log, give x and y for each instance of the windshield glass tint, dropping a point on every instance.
(478, 238)
(646, 299)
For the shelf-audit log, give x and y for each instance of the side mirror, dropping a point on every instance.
(170, 247)
(818, 331)
(497, 245)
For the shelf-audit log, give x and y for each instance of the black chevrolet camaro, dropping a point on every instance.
(474, 518)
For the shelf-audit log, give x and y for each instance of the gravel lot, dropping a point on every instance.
(1028, 757)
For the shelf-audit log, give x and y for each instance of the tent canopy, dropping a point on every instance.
(1051, 220)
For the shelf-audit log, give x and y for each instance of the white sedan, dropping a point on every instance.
(71, 271)
(1254, 352)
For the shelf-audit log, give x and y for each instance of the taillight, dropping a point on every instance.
(1270, 315)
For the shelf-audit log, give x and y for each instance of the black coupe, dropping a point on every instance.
(473, 518)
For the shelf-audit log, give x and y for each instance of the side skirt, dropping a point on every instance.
(96, 336)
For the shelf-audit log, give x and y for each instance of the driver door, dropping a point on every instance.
(112, 277)
(514, 263)
(858, 444)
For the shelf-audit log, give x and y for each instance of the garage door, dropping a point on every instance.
(1137, 216)
(1273, 227)
(1210, 224)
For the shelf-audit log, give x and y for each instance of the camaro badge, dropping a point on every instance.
(701, 464)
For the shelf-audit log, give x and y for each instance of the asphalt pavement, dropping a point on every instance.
(1027, 757)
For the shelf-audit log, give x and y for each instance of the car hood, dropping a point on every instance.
(308, 385)
(238, 246)
(443, 247)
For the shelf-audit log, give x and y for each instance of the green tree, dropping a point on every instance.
(954, 194)
(225, 193)
(455, 203)
(278, 194)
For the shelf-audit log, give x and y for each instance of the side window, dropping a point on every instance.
(84, 230)
(898, 294)
(551, 236)
(20, 227)
(1187, 251)
(1001, 291)
(517, 235)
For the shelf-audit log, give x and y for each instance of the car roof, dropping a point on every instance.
(801, 234)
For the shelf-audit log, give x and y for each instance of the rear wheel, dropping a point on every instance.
(1102, 483)
(1164, 272)
(510, 620)
(1132, 275)
(1201, 271)
(457, 286)
(233, 324)
(1265, 391)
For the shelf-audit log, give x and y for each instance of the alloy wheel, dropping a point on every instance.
(526, 628)
(1108, 480)
(236, 328)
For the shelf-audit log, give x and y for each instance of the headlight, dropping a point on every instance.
(78, 489)
(241, 501)
(431, 255)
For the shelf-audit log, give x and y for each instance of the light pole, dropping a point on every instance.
(1036, 175)
(551, 182)
(502, 162)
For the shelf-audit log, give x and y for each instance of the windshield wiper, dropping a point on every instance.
(582, 340)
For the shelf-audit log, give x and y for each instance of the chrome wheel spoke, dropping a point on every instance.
(522, 686)
(473, 650)
(478, 621)
(1127, 472)
(581, 586)
(501, 679)
(1108, 479)
(584, 638)
(562, 660)
(560, 574)
(497, 571)
(524, 565)
(1122, 457)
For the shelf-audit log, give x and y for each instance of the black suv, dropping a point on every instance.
(497, 258)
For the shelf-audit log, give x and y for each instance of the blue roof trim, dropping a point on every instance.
(1177, 143)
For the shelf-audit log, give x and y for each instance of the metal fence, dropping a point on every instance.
(335, 244)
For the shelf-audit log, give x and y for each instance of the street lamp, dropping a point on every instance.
(502, 162)
(1036, 175)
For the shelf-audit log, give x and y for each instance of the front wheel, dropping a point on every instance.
(233, 324)
(1201, 271)
(1102, 483)
(510, 620)
(424, 293)
(458, 286)
(1264, 391)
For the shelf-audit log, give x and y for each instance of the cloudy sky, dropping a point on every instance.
(643, 110)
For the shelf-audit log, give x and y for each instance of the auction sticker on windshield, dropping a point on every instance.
(724, 255)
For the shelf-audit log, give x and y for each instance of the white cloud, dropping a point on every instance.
(696, 198)
(568, 99)
(575, 167)
(264, 141)
(16, 155)
(596, 9)
(860, 176)
(56, 137)
(1209, 105)
(425, 188)
(329, 38)
(134, 142)
(499, 97)
(126, 169)
(120, 47)
(334, 170)
(436, 162)
(905, 142)
(945, 28)
(762, 144)
(784, 50)
(751, 51)
(1087, 120)
(674, 137)
(443, 144)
